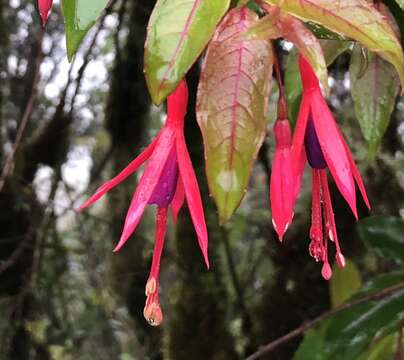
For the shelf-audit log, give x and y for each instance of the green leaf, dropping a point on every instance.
(293, 85)
(322, 33)
(344, 283)
(384, 234)
(361, 332)
(374, 91)
(382, 349)
(333, 48)
(79, 17)
(232, 104)
(357, 19)
(380, 282)
(312, 346)
(401, 3)
(265, 28)
(350, 332)
(178, 32)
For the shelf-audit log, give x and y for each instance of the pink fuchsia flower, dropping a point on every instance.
(318, 140)
(168, 179)
(282, 197)
(44, 7)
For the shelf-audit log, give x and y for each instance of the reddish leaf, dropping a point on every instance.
(357, 19)
(279, 24)
(231, 107)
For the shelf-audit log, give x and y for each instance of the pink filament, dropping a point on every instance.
(323, 226)
(316, 230)
(152, 310)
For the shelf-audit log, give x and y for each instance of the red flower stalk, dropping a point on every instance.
(168, 179)
(282, 180)
(318, 140)
(44, 7)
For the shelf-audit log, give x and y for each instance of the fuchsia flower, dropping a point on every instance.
(167, 180)
(318, 140)
(44, 7)
(282, 178)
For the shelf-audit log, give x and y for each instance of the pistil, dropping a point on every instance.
(323, 226)
(152, 310)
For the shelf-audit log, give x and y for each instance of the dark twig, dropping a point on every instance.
(26, 115)
(121, 13)
(265, 349)
(12, 259)
(278, 71)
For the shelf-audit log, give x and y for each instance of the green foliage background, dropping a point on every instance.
(65, 295)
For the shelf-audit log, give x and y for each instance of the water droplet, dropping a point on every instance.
(228, 181)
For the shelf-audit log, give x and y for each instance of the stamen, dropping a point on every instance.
(151, 286)
(152, 310)
(316, 229)
(161, 226)
(330, 219)
(340, 259)
(319, 232)
(325, 241)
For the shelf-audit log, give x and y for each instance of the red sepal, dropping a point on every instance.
(147, 183)
(192, 194)
(129, 170)
(178, 200)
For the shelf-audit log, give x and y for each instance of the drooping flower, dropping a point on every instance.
(282, 178)
(44, 7)
(318, 141)
(168, 179)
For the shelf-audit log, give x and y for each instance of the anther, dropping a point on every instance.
(151, 286)
(326, 271)
(153, 314)
(316, 250)
(340, 259)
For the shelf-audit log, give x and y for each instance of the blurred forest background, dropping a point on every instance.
(65, 295)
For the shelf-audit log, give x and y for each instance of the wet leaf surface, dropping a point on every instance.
(356, 19)
(232, 106)
(178, 32)
(79, 16)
